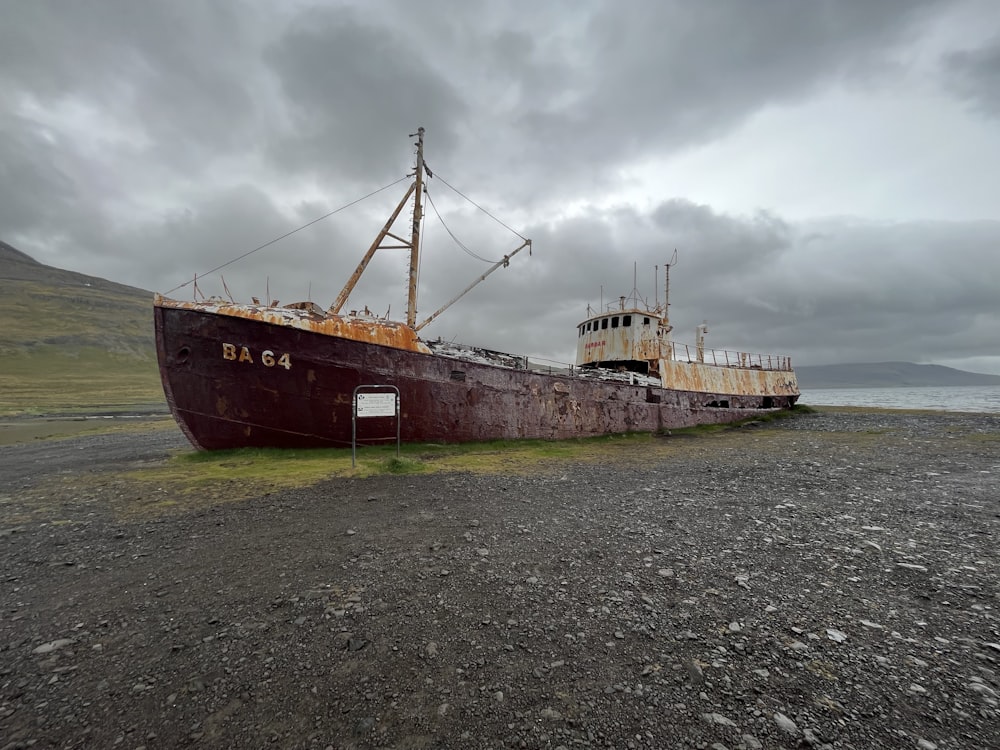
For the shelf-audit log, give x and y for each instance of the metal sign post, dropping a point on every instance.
(366, 404)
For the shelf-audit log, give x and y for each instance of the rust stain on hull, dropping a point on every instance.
(701, 378)
(302, 317)
(247, 396)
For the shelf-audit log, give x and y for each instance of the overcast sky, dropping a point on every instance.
(829, 172)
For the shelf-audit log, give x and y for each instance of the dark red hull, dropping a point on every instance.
(227, 387)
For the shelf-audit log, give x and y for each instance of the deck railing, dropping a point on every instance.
(727, 358)
(669, 350)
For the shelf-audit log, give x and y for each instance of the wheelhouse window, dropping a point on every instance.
(604, 323)
(645, 321)
(614, 322)
(626, 321)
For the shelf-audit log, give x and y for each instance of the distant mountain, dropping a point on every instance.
(887, 374)
(71, 341)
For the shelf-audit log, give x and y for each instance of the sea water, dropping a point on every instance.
(969, 398)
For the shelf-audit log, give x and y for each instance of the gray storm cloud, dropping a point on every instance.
(146, 142)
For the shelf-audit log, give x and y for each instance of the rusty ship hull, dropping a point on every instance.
(239, 377)
(259, 375)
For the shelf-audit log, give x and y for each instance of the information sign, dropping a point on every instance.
(376, 404)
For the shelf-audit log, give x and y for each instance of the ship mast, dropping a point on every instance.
(411, 298)
(416, 190)
(416, 187)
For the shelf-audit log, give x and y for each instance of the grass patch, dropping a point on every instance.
(250, 472)
(981, 437)
(400, 465)
(876, 410)
(699, 429)
(193, 479)
(796, 410)
(708, 429)
(190, 479)
(521, 456)
(51, 380)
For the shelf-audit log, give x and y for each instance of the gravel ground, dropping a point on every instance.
(829, 581)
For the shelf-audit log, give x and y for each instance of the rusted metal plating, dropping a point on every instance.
(240, 375)
(634, 338)
(246, 380)
(356, 327)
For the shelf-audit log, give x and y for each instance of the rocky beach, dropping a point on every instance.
(827, 581)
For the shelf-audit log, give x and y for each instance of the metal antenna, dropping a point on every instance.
(666, 289)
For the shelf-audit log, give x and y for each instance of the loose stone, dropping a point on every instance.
(785, 724)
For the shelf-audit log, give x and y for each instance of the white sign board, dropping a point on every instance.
(376, 404)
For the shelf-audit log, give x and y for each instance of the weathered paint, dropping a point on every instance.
(357, 327)
(740, 381)
(644, 338)
(635, 335)
(222, 402)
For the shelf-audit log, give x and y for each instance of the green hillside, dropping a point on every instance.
(71, 343)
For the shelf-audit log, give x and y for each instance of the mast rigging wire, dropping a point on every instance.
(452, 234)
(510, 229)
(289, 234)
